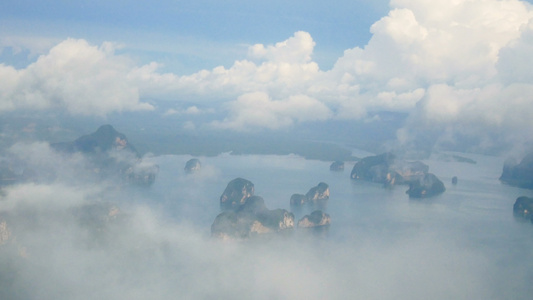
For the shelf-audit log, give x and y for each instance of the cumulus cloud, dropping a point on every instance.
(439, 60)
(297, 49)
(511, 64)
(421, 42)
(191, 110)
(416, 51)
(281, 69)
(75, 76)
(260, 111)
(458, 57)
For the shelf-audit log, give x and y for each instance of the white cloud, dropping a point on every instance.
(282, 69)
(74, 76)
(461, 58)
(512, 63)
(297, 49)
(425, 42)
(191, 110)
(447, 54)
(258, 110)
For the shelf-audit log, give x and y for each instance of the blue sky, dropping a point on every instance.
(190, 35)
(459, 69)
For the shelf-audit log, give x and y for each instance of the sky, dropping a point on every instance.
(459, 69)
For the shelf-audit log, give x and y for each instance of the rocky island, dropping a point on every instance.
(424, 187)
(111, 155)
(523, 208)
(245, 215)
(317, 196)
(236, 193)
(337, 166)
(519, 174)
(192, 165)
(317, 218)
(387, 169)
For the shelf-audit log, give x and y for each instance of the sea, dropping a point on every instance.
(462, 244)
(155, 242)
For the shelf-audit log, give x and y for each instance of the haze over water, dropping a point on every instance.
(463, 244)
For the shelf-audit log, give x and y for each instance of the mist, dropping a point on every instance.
(86, 239)
(273, 98)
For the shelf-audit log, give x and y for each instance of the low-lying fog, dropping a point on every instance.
(154, 243)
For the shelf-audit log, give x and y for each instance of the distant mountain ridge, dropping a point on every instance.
(105, 138)
(111, 155)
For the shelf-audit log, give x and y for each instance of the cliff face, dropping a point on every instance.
(387, 169)
(519, 175)
(246, 215)
(105, 139)
(523, 208)
(111, 155)
(390, 171)
(192, 165)
(337, 166)
(317, 196)
(236, 193)
(317, 218)
(244, 223)
(373, 168)
(298, 200)
(427, 186)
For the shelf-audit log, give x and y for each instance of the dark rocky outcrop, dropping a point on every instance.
(232, 225)
(251, 219)
(298, 200)
(236, 193)
(387, 169)
(105, 139)
(317, 218)
(253, 205)
(424, 187)
(337, 166)
(373, 168)
(245, 215)
(193, 165)
(275, 220)
(317, 196)
(523, 208)
(519, 175)
(111, 155)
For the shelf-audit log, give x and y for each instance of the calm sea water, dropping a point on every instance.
(463, 244)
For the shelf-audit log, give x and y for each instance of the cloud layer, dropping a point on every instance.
(450, 64)
(95, 240)
(74, 76)
(459, 66)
